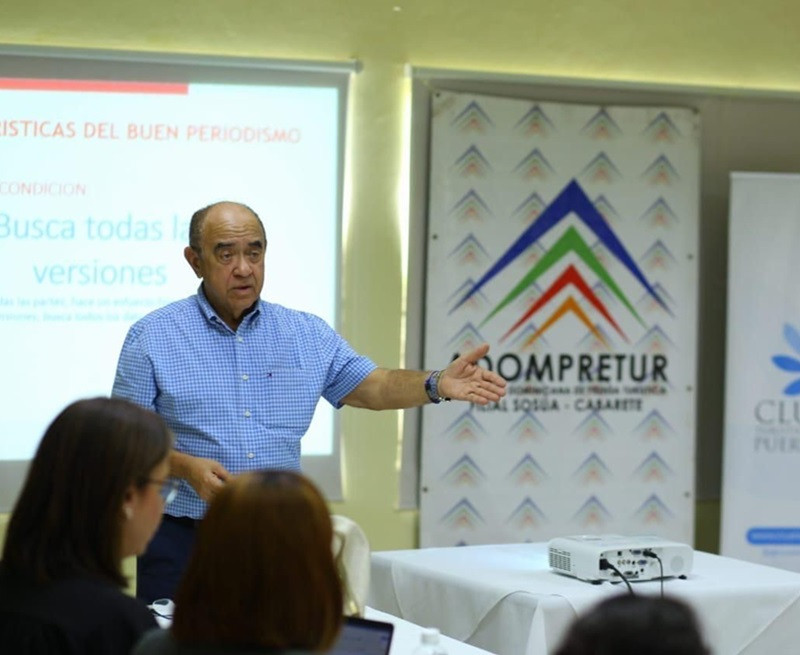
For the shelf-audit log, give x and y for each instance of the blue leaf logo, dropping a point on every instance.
(788, 363)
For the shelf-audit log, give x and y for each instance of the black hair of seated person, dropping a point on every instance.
(635, 625)
(68, 519)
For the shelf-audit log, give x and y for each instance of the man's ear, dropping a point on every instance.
(191, 256)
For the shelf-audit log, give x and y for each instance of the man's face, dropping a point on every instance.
(231, 260)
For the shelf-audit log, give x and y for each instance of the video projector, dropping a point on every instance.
(594, 557)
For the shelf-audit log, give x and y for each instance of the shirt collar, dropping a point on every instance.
(211, 315)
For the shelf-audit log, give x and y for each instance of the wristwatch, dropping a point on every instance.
(432, 388)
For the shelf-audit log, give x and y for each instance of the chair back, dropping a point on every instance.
(352, 555)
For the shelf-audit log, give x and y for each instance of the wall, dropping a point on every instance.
(702, 42)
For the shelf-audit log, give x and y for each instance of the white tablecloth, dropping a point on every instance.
(407, 636)
(505, 599)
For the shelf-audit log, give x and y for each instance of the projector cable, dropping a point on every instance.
(605, 564)
(649, 553)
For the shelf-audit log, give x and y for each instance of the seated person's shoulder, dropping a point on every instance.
(161, 642)
(156, 642)
(77, 610)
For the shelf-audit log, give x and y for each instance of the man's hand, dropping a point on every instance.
(207, 476)
(465, 380)
(399, 388)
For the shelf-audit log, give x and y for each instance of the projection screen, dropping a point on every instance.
(105, 156)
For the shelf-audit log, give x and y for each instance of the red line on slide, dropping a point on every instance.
(95, 86)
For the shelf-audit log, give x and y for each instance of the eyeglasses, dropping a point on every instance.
(168, 488)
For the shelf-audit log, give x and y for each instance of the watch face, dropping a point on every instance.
(431, 387)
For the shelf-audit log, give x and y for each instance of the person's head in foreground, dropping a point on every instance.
(93, 494)
(262, 572)
(635, 625)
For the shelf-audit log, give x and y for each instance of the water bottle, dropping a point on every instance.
(429, 643)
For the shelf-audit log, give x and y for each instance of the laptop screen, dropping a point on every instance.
(363, 637)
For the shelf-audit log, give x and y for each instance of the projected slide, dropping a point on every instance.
(98, 181)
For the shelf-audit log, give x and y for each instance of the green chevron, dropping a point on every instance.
(571, 240)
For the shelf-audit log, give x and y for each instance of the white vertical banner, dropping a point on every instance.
(565, 236)
(761, 493)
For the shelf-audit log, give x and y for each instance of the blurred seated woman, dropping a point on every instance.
(634, 625)
(94, 494)
(261, 578)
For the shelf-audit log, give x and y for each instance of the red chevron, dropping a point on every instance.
(571, 275)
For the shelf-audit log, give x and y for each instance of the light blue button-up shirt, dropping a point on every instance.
(242, 398)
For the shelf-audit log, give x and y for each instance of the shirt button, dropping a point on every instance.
(250, 455)
(245, 377)
(240, 339)
(247, 413)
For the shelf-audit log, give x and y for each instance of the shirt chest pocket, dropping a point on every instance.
(288, 398)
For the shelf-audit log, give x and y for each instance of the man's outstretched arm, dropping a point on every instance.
(463, 379)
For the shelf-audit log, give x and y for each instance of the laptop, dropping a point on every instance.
(363, 637)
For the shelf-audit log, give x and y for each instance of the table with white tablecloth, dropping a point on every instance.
(505, 599)
(407, 636)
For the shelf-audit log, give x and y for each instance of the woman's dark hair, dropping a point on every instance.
(633, 625)
(262, 572)
(68, 518)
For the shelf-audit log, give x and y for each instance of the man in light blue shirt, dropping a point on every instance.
(237, 379)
